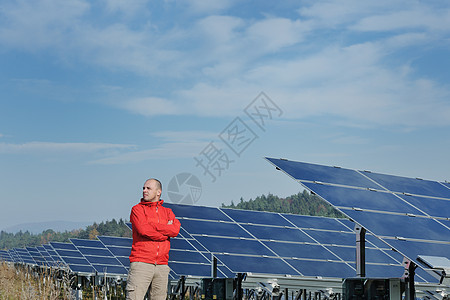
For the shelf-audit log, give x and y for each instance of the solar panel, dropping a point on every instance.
(99, 257)
(48, 260)
(4, 256)
(25, 256)
(15, 256)
(58, 262)
(73, 258)
(284, 244)
(410, 215)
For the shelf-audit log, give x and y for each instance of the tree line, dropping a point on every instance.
(27, 239)
(302, 204)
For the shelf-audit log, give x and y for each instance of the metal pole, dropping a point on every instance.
(408, 276)
(213, 266)
(360, 251)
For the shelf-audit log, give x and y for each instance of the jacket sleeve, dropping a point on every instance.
(140, 224)
(169, 230)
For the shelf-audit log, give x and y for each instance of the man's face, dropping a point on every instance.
(150, 191)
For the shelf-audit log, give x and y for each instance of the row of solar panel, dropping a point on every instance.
(307, 172)
(106, 255)
(262, 242)
(242, 242)
(410, 215)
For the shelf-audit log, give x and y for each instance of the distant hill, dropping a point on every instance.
(38, 227)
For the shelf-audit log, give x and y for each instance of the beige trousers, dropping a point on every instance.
(142, 275)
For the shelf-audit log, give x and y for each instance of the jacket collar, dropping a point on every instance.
(148, 203)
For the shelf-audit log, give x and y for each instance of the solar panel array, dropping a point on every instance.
(241, 242)
(410, 215)
(281, 244)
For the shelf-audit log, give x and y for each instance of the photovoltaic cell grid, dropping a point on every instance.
(409, 214)
(73, 258)
(100, 258)
(283, 244)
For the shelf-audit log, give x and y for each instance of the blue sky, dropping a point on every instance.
(98, 96)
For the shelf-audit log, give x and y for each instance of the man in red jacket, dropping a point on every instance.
(153, 226)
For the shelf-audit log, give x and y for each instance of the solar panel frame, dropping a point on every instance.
(408, 221)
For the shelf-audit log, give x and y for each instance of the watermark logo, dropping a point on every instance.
(184, 188)
(237, 137)
(217, 156)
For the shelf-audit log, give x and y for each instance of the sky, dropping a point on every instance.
(98, 96)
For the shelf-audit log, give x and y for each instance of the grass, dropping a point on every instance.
(26, 283)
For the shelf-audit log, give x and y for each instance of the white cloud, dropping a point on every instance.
(153, 106)
(37, 25)
(273, 34)
(163, 151)
(224, 61)
(177, 144)
(186, 136)
(52, 147)
(209, 7)
(126, 8)
(333, 13)
(419, 17)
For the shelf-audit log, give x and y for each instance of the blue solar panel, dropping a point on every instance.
(402, 226)
(256, 217)
(277, 233)
(388, 271)
(363, 199)
(25, 256)
(206, 213)
(299, 250)
(115, 241)
(56, 258)
(4, 256)
(410, 185)
(439, 208)
(70, 255)
(238, 246)
(306, 222)
(267, 265)
(332, 237)
(325, 268)
(214, 228)
(36, 255)
(410, 215)
(188, 256)
(16, 258)
(312, 172)
(49, 261)
(285, 236)
(192, 269)
(98, 255)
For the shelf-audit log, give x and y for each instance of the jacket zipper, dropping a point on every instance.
(157, 249)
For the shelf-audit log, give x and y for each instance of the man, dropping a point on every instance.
(153, 226)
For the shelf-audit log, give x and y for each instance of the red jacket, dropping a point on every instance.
(153, 226)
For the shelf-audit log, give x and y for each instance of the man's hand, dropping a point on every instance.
(170, 222)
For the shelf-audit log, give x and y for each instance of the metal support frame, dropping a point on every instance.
(408, 276)
(180, 289)
(360, 251)
(213, 266)
(239, 293)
